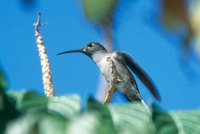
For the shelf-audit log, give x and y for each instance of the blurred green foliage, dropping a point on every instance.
(27, 112)
(8, 111)
(63, 115)
(3, 82)
(99, 10)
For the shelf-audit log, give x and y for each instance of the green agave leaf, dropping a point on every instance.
(24, 125)
(52, 125)
(68, 106)
(87, 123)
(39, 123)
(31, 101)
(98, 10)
(96, 120)
(188, 122)
(163, 121)
(8, 111)
(43, 115)
(104, 114)
(132, 118)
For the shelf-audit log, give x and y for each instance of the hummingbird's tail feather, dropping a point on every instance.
(132, 94)
(142, 75)
(145, 105)
(133, 98)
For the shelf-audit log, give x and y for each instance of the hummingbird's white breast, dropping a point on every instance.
(105, 68)
(121, 71)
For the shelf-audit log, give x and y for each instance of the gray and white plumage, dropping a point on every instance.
(126, 83)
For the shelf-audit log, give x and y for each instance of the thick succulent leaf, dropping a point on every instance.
(39, 123)
(176, 122)
(96, 120)
(29, 100)
(163, 121)
(43, 115)
(98, 10)
(8, 111)
(87, 123)
(24, 125)
(133, 118)
(52, 124)
(188, 122)
(68, 106)
(105, 116)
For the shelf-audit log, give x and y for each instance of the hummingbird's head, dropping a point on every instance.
(92, 48)
(89, 49)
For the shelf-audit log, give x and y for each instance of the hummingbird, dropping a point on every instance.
(123, 62)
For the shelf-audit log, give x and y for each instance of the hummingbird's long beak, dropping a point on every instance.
(71, 51)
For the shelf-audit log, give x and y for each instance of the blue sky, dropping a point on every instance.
(137, 32)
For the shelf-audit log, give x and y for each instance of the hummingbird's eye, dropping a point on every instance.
(90, 45)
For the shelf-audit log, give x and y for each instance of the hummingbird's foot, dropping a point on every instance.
(112, 84)
(109, 94)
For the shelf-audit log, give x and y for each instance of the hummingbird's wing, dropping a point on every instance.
(142, 75)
